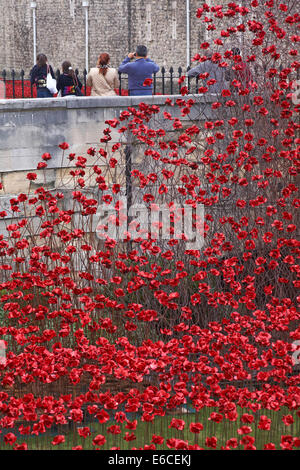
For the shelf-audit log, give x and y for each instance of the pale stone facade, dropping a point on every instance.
(115, 26)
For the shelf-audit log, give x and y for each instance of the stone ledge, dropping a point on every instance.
(31, 127)
(94, 102)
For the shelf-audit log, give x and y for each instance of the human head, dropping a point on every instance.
(102, 63)
(66, 67)
(141, 51)
(41, 60)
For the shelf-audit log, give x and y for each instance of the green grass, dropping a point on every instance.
(144, 431)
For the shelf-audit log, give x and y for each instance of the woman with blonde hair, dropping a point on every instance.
(103, 79)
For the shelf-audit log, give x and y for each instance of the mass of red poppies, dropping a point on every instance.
(98, 331)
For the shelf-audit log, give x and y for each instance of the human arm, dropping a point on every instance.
(125, 66)
(195, 71)
(155, 66)
(51, 71)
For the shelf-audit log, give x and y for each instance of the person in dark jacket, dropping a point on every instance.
(139, 72)
(38, 76)
(68, 83)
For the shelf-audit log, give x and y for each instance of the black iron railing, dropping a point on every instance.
(165, 82)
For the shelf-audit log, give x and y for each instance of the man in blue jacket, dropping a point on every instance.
(139, 72)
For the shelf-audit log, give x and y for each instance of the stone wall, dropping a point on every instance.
(115, 26)
(31, 127)
(16, 35)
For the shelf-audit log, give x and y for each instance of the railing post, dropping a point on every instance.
(57, 74)
(120, 81)
(197, 84)
(154, 83)
(31, 88)
(84, 80)
(2, 87)
(179, 75)
(76, 73)
(189, 79)
(171, 80)
(4, 80)
(13, 75)
(163, 71)
(22, 82)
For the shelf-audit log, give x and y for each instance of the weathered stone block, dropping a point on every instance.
(15, 182)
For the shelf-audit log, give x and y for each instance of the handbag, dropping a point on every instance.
(51, 82)
(78, 92)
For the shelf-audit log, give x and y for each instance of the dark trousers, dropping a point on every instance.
(44, 93)
(140, 92)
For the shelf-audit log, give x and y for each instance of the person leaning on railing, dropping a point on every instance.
(103, 79)
(38, 76)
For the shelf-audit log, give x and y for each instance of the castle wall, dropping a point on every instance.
(115, 26)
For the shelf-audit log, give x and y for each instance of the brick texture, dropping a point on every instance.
(115, 26)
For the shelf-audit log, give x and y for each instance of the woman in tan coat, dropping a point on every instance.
(102, 78)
